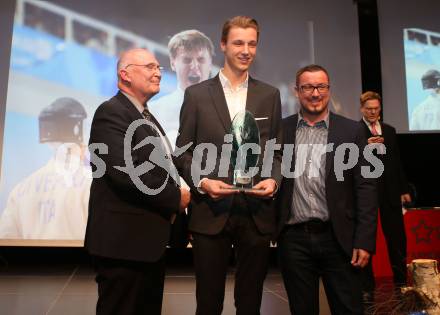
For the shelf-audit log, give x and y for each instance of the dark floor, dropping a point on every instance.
(70, 289)
(36, 281)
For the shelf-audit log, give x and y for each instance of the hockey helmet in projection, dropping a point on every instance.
(62, 121)
(431, 80)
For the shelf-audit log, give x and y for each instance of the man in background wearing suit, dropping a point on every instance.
(128, 229)
(327, 224)
(220, 216)
(392, 191)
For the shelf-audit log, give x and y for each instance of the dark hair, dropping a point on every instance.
(310, 68)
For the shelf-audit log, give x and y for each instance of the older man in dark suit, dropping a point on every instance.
(327, 210)
(130, 210)
(219, 216)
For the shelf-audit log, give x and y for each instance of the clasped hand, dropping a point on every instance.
(217, 189)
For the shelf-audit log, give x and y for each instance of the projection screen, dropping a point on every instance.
(62, 66)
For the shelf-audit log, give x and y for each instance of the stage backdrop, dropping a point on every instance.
(68, 49)
(410, 56)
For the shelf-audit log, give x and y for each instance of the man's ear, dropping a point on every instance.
(223, 46)
(294, 90)
(124, 75)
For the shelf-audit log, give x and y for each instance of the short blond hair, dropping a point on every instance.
(369, 95)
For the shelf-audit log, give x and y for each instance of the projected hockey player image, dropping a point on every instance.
(426, 116)
(52, 202)
(191, 54)
(422, 71)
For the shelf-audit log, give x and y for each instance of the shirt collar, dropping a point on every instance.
(371, 124)
(226, 84)
(322, 123)
(135, 102)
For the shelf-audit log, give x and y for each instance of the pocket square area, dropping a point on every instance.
(261, 118)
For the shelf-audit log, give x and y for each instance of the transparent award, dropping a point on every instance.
(244, 157)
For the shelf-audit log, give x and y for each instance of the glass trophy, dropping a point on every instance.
(245, 137)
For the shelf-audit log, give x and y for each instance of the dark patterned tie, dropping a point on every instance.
(164, 142)
(146, 113)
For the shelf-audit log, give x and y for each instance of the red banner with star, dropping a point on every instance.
(423, 240)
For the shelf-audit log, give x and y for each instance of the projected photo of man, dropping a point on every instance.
(52, 202)
(191, 54)
(426, 116)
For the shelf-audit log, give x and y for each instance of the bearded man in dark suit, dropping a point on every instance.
(328, 211)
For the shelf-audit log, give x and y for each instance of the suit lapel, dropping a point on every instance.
(367, 128)
(332, 137)
(290, 137)
(137, 115)
(129, 105)
(154, 120)
(252, 96)
(383, 130)
(219, 100)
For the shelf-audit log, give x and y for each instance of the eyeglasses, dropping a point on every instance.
(150, 67)
(309, 89)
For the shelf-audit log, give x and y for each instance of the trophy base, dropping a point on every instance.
(243, 189)
(243, 182)
(249, 189)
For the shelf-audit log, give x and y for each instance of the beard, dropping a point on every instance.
(316, 111)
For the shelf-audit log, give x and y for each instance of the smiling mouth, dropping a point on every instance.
(194, 79)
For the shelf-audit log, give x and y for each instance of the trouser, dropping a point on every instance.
(211, 259)
(129, 287)
(308, 252)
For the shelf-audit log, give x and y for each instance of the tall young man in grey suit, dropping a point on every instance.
(327, 221)
(129, 221)
(219, 216)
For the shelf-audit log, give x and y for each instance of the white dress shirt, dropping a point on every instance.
(235, 98)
